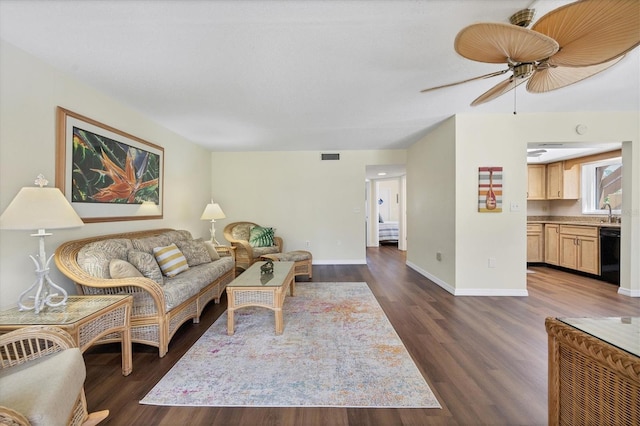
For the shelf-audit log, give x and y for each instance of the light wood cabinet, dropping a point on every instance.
(579, 248)
(562, 183)
(552, 243)
(536, 181)
(535, 243)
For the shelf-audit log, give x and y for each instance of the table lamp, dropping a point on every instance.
(213, 212)
(37, 208)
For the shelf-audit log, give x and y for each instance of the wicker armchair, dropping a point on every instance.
(237, 233)
(26, 349)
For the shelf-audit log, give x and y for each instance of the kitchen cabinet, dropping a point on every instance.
(562, 183)
(535, 243)
(552, 244)
(579, 248)
(536, 181)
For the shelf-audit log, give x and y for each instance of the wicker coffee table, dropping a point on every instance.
(88, 319)
(252, 288)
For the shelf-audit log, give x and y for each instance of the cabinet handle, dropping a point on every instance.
(558, 193)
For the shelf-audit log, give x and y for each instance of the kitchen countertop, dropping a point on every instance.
(578, 222)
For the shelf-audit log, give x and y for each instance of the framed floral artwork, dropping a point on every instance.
(106, 174)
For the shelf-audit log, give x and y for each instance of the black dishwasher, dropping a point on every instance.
(610, 255)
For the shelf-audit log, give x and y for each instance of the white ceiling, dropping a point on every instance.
(291, 75)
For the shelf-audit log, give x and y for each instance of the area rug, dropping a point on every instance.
(338, 349)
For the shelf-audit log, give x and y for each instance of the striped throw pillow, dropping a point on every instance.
(171, 260)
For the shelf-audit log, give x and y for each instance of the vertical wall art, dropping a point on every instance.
(106, 174)
(490, 189)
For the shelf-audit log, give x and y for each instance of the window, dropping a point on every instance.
(601, 184)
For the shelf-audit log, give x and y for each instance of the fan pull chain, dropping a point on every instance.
(515, 86)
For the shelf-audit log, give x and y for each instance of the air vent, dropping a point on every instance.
(330, 156)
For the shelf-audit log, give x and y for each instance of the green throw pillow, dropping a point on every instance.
(261, 237)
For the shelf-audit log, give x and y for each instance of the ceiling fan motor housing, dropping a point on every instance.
(522, 70)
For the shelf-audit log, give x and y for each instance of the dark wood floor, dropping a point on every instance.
(484, 357)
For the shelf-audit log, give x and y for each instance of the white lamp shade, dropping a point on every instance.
(39, 208)
(212, 212)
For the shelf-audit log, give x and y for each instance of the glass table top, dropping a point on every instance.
(76, 309)
(253, 277)
(622, 332)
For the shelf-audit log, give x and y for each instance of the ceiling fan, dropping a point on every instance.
(567, 45)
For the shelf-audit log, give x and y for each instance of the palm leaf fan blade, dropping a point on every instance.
(492, 74)
(497, 90)
(592, 32)
(499, 43)
(554, 78)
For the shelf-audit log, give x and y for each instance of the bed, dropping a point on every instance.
(387, 231)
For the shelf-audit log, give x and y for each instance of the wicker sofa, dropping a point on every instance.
(42, 376)
(160, 303)
(238, 234)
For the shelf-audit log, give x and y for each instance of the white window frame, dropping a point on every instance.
(588, 186)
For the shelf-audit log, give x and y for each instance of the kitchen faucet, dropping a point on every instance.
(606, 204)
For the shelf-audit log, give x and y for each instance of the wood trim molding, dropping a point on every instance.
(568, 164)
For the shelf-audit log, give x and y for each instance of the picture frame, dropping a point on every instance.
(489, 189)
(106, 174)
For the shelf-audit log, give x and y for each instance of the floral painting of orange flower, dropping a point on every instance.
(108, 171)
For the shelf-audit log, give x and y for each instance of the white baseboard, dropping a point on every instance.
(339, 262)
(468, 291)
(627, 292)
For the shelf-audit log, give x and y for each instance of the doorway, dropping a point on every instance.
(385, 206)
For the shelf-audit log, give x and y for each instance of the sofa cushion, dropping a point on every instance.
(44, 390)
(213, 253)
(146, 264)
(260, 236)
(241, 232)
(194, 251)
(179, 235)
(94, 258)
(259, 251)
(119, 268)
(187, 284)
(147, 244)
(171, 260)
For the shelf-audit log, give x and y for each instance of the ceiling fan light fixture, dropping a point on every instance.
(522, 18)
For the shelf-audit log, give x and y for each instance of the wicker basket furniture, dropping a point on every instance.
(594, 371)
(42, 379)
(88, 320)
(303, 261)
(158, 308)
(254, 288)
(237, 233)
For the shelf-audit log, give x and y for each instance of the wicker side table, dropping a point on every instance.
(88, 319)
(594, 371)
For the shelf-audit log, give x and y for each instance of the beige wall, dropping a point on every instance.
(304, 198)
(30, 92)
(431, 205)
